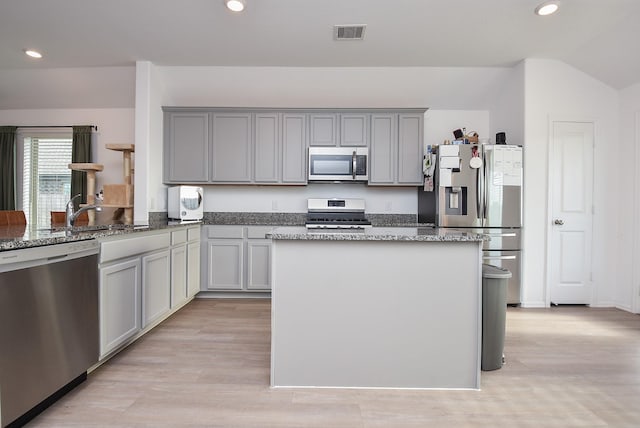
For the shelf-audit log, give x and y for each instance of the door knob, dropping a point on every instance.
(558, 221)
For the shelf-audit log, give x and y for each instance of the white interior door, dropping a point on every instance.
(571, 180)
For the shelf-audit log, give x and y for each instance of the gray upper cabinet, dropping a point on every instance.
(263, 146)
(267, 148)
(410, 148)
(323, 129)
(396, 148)
(186, 147)
(354, 130)
(382, 152)
(231, 151)
(294, 148)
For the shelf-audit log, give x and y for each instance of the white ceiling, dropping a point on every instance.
(597, 36)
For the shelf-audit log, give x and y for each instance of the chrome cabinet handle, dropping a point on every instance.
(499, 258)
(558, 221)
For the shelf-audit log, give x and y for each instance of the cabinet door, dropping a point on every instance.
(178, 275)
(410, 149)
(193, 268)
(354, 130)
(323, 129)
(258, 264)
(382, 153)
(231, 156)
(156, 286)
(294, 149)
(120, 302)
(267, 148)
(186, 147)
(225, 268)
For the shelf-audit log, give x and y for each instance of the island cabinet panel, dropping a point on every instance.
(238, 258)
(231, 152)
(267, 148)
(323, 129)
(120, 303)
(354, 130)
(382, 153)
(156, 286)
(294, 148)
(410, 149)
(186, 147)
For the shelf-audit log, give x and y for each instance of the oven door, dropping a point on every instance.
(338, 164)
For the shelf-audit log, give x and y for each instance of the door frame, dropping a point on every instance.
(635, 275)
(549, 217)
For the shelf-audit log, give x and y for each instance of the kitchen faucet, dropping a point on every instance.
(73, 215)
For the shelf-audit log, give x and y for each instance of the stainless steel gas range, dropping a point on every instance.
(336, 214)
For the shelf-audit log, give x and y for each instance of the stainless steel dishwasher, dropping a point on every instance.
(48, 325)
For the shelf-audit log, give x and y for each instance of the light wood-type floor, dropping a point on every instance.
(208, 366)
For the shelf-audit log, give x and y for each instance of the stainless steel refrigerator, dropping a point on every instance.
(479, 188)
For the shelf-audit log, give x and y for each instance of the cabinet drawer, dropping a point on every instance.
(178, 237)
(225, 232)
(120, 248)
(193, 234)
(258, 232)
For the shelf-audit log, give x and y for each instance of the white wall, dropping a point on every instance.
(627, 293)
(507, 107)
(554, 90)
(115, 126)
(465, 90)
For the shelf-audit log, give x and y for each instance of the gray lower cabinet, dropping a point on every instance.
(237, 258)
(120, 303)
(156, 286)
(396, 149)
(144, 277)
(185, 265)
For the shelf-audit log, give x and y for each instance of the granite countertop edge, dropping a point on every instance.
(15, 238)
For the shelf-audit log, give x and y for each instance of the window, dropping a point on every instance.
(46, 177)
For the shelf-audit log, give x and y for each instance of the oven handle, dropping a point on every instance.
(354, 164)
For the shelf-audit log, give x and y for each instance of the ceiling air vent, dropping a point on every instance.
(348, 32)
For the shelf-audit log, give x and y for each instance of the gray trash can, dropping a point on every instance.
(494, 313)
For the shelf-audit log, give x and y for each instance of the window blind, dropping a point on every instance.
(47, 177)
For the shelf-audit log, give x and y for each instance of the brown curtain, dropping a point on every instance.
(80, 153)
(8, 167)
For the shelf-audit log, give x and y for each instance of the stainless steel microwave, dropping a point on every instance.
(338, 164)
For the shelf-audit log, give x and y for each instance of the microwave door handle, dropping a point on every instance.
(354, 164)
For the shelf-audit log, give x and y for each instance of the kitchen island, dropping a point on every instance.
(379, 308)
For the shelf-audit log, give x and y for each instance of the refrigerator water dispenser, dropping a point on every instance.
(456, 198)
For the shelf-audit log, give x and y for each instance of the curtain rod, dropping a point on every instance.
(56, 126)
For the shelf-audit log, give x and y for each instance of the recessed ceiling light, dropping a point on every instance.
(235, 5)
(547, 8)
(32, 53)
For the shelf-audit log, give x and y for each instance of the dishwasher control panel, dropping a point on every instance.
(27, 257)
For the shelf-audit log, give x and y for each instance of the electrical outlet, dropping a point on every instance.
(274, 205)
(388, 206)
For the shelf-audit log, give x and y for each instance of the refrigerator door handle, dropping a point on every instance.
(479, 197)
(499, 258)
